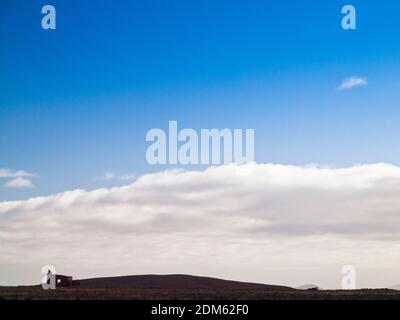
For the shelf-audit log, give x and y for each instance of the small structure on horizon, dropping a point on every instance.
(312, 289)
(63, 281)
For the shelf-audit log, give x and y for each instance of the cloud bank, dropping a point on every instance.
(234, 220)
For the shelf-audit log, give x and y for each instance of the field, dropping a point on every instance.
(183, 287)
(37, 293)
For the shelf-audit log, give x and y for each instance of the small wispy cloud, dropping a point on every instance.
(18, 178)
(109, 175)
(9, 173)
(18, 183)
(352, 82)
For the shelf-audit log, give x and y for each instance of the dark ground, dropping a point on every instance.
(184, 287)
(33, 293)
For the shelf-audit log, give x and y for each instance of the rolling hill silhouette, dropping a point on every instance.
(176, 281)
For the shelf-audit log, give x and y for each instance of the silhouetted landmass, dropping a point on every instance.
(178, 281)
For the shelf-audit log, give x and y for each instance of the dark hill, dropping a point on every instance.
(176, 281)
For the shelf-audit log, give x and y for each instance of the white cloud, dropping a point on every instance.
(352, 82)
(18, 183)
(108, 175)
(9, 173)
(18, 178)
(259, 222)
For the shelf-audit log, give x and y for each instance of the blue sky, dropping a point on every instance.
(77, 102)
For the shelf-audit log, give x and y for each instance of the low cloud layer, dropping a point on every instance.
(244, 220)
